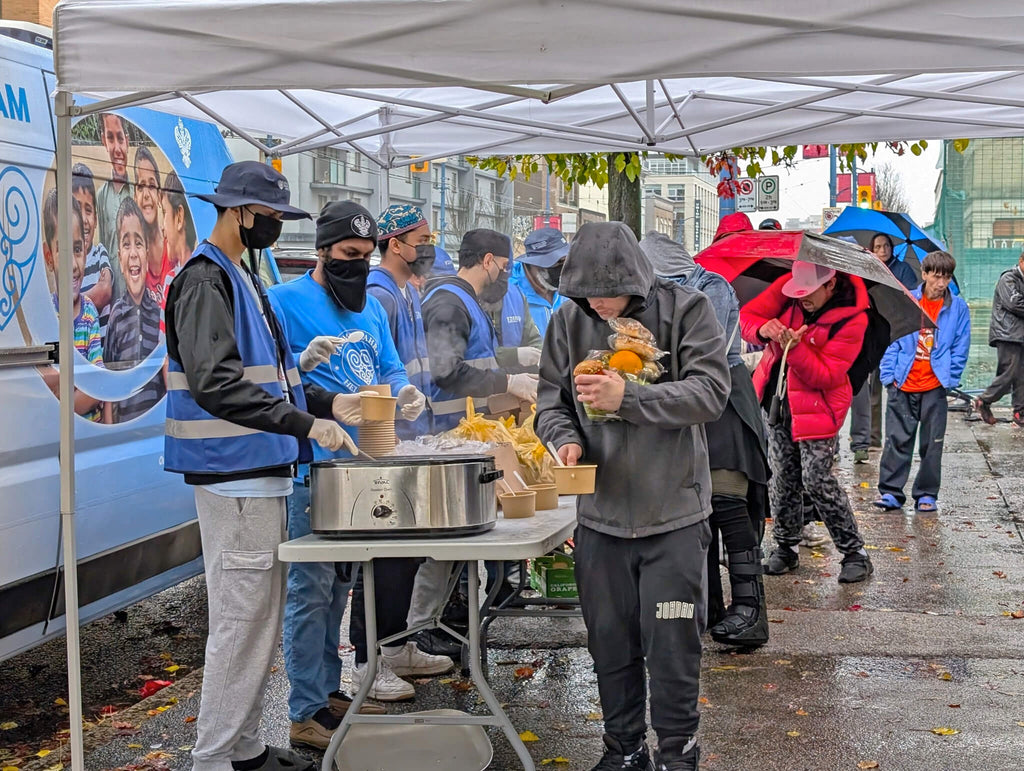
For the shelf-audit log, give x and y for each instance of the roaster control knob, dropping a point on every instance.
(382, 511)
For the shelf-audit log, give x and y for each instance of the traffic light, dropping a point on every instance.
(420, 168)
(864, 197)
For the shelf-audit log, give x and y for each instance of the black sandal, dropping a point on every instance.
(279, 759)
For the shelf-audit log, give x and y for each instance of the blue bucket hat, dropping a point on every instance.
(251, 182)
(443, 265)
(545, 247)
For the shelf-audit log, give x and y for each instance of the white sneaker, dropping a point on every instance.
(387, 686)
(410, 661)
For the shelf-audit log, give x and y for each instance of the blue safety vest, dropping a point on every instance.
(480, 353)
(411, 342)
(540, 308)
(513, 314)
(196, 442)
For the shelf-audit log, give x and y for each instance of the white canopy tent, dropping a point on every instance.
(395, 78)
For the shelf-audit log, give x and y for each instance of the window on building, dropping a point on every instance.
(1008, 227)
(676, 192)
(650, 190)
(357, 162)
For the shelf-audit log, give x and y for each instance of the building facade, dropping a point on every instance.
(692, 193)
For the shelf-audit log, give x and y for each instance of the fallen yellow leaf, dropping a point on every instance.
(724, 668)
(895, 548)
(783, 662)
(172, 668)
(946, 676)
(55, 767)
(868, 764)
(134, 746)
(9, 725)
(162, 709)
(10, 768)
(60, 702)
(165, 656)
(549, 761)
(873, 548)
(528, 736)
(594, 716)
(943, 731)
(792, 733)
(865, 485)
(43, 753)
(802, 712)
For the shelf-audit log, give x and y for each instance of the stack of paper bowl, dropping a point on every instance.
(377, 438)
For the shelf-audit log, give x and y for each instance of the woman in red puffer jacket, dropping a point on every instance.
(822, 315)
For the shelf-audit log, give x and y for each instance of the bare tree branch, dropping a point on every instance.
(889, 189)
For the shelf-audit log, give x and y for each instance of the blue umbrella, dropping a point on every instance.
(910, 241)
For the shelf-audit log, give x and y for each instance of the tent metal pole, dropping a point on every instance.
(128, 100)
(242, 133)
(632, 112)
(384, 156)
(64, 108)
(649, 112)
(677, 112)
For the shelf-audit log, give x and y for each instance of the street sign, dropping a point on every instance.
(746, 196)
(768, 193)
(829, 215)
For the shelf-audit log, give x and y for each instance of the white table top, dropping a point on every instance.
(509, 539)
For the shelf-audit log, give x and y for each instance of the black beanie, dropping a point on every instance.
(339, 220)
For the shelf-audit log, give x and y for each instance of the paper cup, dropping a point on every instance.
(383, 389)
(518, 505)
(575, 480)
(547, 496)
(377, 407)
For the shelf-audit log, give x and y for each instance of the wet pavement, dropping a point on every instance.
(921, 667)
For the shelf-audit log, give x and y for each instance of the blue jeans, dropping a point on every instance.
(312, 622)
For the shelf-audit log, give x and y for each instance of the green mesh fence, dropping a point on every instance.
(980, 216)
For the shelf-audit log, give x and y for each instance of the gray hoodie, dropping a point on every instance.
(653, 474)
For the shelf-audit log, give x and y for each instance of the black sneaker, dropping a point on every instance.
(856, 568)
(438, 643)
(782, 560)
(615, 757)
(670, 756)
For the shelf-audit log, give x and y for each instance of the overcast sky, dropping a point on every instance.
(804, 189)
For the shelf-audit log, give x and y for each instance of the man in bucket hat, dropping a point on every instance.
(819, 317)
(238, 419)
(537, 272)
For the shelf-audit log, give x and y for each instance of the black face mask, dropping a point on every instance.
(346, 282)
(424, 262)
(555, 274)
(495, 291)
(264, 231)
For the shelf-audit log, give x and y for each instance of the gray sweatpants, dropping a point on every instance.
(905, 416)
(431, 581)
(1009, 375)
(866, 415)
(245, 585)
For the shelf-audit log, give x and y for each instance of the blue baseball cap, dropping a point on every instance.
(443, 265)
(545, 248)
(251, 182)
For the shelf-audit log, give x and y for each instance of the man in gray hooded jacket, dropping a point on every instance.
(643, 536)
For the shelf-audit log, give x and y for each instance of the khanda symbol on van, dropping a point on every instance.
(184, 140)
(19, 239)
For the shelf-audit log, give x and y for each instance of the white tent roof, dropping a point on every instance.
(526, 76)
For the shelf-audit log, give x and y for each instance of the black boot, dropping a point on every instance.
(616, 758)
(782, 560)
(671, 756)
(746, 623)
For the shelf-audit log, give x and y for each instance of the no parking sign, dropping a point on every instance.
(746, 197)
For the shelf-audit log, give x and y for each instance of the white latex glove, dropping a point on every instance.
(319, 351)
(528, 357)
(331, 436)
(411, 402)
(523, 386)
(348, 409)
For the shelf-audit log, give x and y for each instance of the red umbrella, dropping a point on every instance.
(751, 260)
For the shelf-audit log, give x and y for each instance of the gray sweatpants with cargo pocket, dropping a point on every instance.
(245, 584)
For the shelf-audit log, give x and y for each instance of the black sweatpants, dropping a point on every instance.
(1009, 376)
(393, 580)
(643, 601)
(905, 415)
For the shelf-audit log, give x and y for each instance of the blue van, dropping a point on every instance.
(136, 526)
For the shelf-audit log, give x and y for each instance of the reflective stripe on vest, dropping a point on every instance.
(480, 354)
(197, 442)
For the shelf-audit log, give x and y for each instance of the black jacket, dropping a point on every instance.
(201, 337)
(1007, 325)
(448, 326)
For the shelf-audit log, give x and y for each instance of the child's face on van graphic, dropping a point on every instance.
(131, 252)
(51, 252)
(88, 204)
(116, 144)
(146, 193)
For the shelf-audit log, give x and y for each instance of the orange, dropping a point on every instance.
(626, 362)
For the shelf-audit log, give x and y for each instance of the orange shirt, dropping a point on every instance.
(921, 377)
